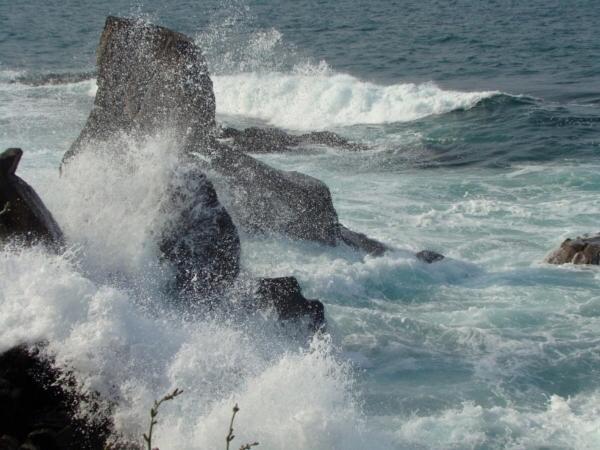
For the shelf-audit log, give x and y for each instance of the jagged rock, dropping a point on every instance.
(264, 199)
(429, 256)
(23, 215)
(362, 242)
(273, 140)
(36, 412)
(285, 295)
(199, 237)
(583, 250)
(149, 78)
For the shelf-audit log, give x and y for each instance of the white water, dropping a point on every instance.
(316, 99)
(491, 349)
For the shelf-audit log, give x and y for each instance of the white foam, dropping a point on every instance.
(320, 99)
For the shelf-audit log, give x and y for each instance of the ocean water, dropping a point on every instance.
(483, 126)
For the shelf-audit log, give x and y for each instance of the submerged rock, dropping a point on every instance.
(36, 412)
(199, 238)
(23, 215)
(429, 256)
(582, 250)
(284, 294)
(273, 140)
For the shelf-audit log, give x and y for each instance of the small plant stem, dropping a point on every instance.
(154, 413)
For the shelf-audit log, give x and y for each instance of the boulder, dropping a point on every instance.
(266, 200)
(36, 412)
(149, 78)
(23, 215)
(582, 250)
(199, 237)
(273, 140)
(285, 296)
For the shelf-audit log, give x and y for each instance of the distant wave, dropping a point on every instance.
(312, 101)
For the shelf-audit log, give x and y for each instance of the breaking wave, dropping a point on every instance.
(318, 98)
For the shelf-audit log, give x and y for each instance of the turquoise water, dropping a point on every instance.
(483, 122)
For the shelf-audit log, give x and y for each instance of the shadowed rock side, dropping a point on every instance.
(285, 295)
(36, 413)
(583, 250)
(268, 200)
(149, 78)
(199, 237)
(23, 215)
(273, 140)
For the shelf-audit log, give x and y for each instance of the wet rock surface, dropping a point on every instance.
(273, 140)
(285, 296)
(200, 238)
(36, 412)
(582, 250)
(23, 215)
(149, 78)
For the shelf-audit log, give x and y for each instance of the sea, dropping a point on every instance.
(482, 126)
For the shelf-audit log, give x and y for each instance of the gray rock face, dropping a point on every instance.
(199, 239)
(583, 250)
(38, 406)
(267, 200)
(273, 140)
(23, 215)
(149, 78)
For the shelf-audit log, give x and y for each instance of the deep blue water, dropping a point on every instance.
(483, 122)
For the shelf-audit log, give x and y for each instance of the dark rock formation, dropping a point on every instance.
(264, 199)
(149, 78)
(23, 215)
(429, 256)
(273, 140)
(583, 250)
(199, 237)
(36, 413)
(285, 295)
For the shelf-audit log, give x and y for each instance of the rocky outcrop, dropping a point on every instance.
(273, 140)
(582, 250)
(152, 78)
(285, 296)
(149, 78)
(36, 412)
(23, 215)
(199, 237)
(267, 200)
